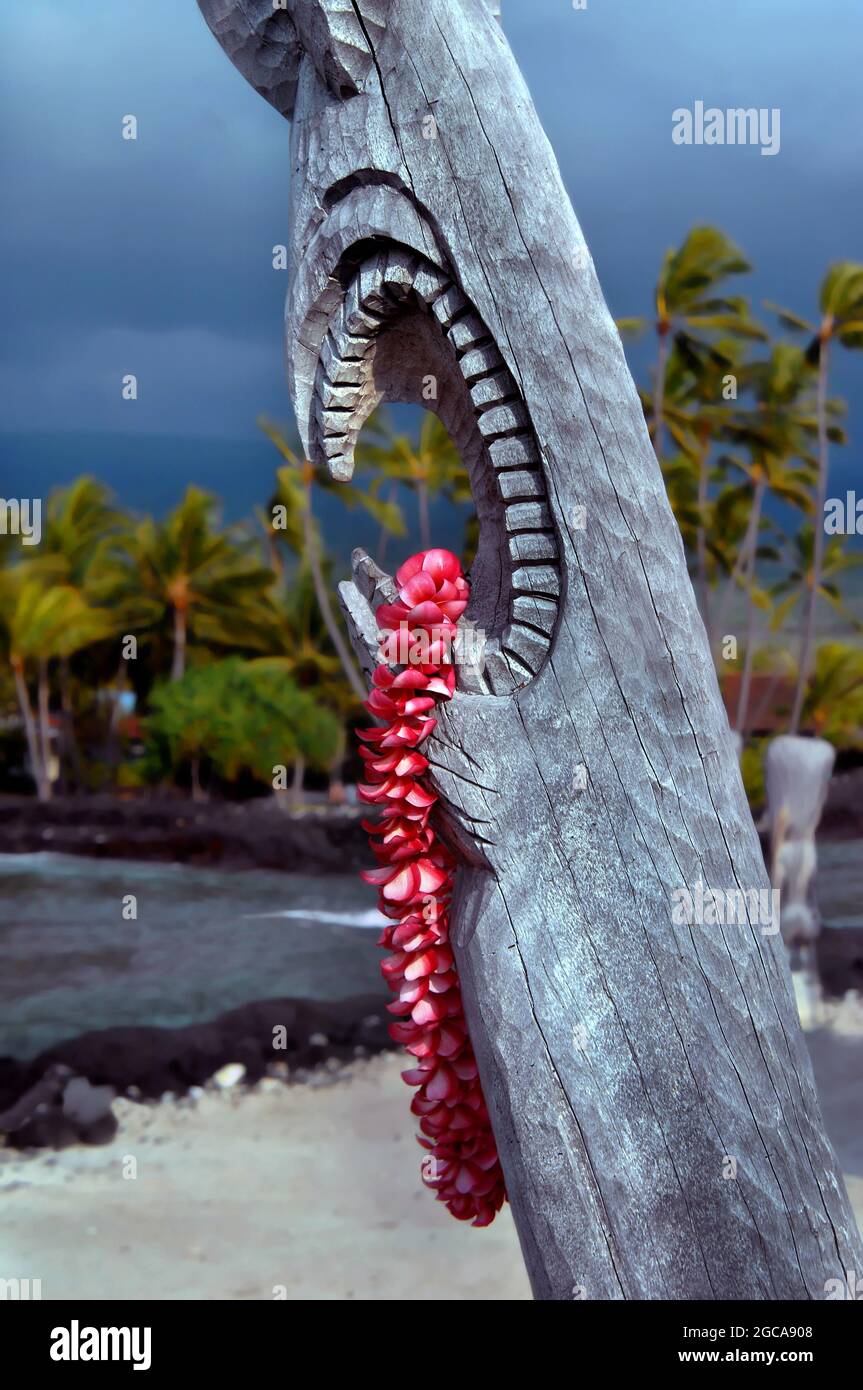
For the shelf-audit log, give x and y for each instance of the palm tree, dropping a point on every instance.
(83, 530)
(776, 433)
(834, 697)
(695, 414)
(209, 587)
(690, 306)
(292, 507)
(841, 305)
(799, 581)
(299, 649)
(81, 525)
(41, 618)
(430, 465)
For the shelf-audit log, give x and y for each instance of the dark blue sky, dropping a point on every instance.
(154, 256)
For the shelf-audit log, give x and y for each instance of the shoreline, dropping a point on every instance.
(258, 833)
(254, 834)
(66, 1094)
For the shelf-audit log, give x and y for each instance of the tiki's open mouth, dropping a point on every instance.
(403, 331)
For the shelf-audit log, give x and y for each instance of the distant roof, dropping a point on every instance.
(770, 700)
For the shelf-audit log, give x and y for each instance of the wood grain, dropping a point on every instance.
(631, 1063)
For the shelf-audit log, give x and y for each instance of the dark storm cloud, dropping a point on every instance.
(154, 256)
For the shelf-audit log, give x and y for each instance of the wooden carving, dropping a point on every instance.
(649, 1086)
(798, 772)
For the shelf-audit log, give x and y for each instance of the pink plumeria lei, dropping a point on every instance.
(415, 881)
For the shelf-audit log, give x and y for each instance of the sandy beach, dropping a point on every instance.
(297, 1191)
(294, 1191)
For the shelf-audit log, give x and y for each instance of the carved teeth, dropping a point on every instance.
(359, 317)
(519, 451)
(353, 348)
(492, 389)
(527, 516)
(479, 362)
(332, 424)
(341, 468)
(430, 283)
(400, 273)
(535, 612)
(522, 482)
(334, 446)
(467, 332)
(450, 304)
(375, 585)
(532, 546)
(473, 681)
(343, 397)
(343, 371)
(500, 676)
(503, 420)
(371, 291)
(528, 646)
(381, 289)
(536, 579)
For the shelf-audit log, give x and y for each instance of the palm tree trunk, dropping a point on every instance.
(741, 565)
(765, 704)
(659, 394)
(30, 731)
(71, 759)
(746, 682)
(44, 730)
(336, 790)
(178, 663)
(423, 504)
(808, 641)
(296, 791)
(198, 793)
(323, 598)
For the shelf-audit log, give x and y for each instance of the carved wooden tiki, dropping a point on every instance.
(632, 1063)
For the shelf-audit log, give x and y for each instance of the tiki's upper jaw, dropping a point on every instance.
(266, 40)
(384, 299)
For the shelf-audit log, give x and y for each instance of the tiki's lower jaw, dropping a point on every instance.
(403, 331)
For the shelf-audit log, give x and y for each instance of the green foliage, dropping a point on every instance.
(749, 429)
(188, 571)
(799, 576)
(241, 717)
(41, 617)
(752, 772)
(691, 302)
(834, 699)
(293, 484)
(841, 303)
(431, 465)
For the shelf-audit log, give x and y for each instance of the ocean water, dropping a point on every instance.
(208, 940)
(204, 941)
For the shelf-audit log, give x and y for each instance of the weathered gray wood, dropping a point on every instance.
(798, 772)
(630, 1060)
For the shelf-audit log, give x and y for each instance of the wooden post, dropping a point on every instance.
(798, 772)
(649, 1086)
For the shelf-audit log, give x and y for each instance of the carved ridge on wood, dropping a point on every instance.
(393, 281)
(266, 40)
